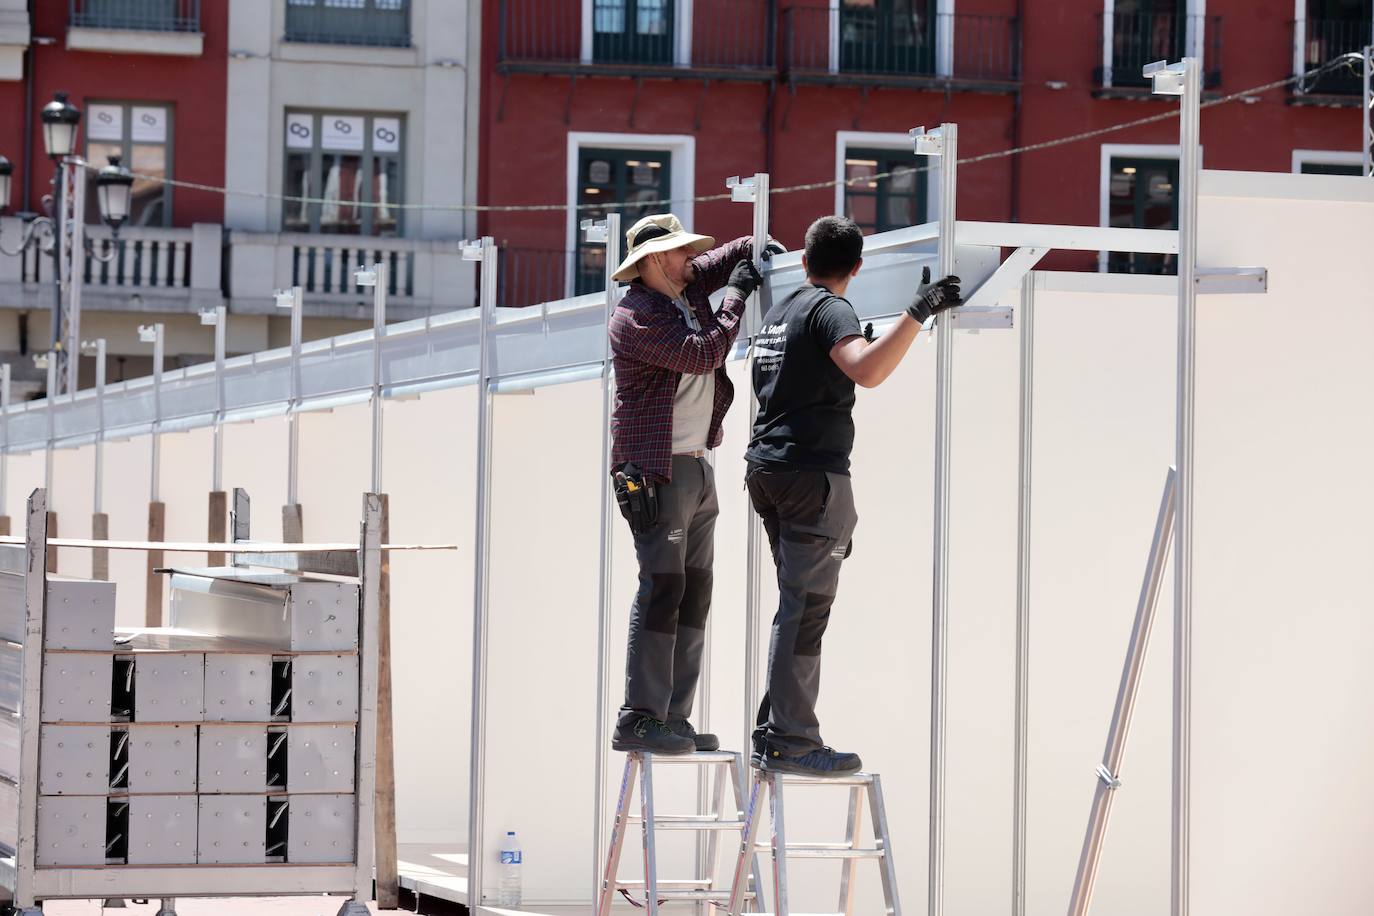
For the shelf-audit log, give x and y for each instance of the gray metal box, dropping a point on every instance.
(169, 688)
(76, 687)
(322, 829)
(71, 830)
(238, 688)
(162, 758)
(74, 760)
(80, 614)
(232, 830)
(233, 758)
(162, 829)
(320, 758)
(324, 688)
(280, 610)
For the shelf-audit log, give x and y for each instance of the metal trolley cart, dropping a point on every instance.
(231, 754)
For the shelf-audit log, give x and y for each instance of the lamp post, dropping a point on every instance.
(53, 233)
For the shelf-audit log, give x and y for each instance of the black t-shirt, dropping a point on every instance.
(805, 400)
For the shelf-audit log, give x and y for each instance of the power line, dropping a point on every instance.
(1345, 59)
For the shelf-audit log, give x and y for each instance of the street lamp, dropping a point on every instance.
(114, 188)
(60, 119)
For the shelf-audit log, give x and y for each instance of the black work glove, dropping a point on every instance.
(773, 247)
(933, 298)
(745, 278)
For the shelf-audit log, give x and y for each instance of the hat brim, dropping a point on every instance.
(629, 268)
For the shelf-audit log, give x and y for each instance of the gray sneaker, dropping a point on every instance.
(645, 733)
(702, 742)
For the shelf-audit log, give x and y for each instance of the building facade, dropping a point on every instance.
(345, 103)
(594, 101)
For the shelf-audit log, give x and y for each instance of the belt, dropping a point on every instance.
(695, 453)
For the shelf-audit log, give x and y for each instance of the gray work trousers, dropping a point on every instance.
(668, 617)
(810, 520)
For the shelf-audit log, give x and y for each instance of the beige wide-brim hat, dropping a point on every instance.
(653, 234)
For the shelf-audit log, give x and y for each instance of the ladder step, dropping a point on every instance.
(824, 851)
(671, 894)
(716, 757)
(857, 779)
(666, 882)
(712, 824)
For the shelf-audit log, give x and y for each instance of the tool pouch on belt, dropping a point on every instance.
(637, 498)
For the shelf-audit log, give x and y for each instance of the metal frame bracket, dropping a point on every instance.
(742, 190)
(1232, 280)
(1108, 780)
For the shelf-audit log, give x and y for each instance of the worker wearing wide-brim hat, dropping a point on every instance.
(672, 392)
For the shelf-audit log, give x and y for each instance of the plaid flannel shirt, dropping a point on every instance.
(652, 346)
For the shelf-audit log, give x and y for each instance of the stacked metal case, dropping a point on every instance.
(228, 739)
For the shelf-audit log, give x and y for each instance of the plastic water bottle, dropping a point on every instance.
(511, 858)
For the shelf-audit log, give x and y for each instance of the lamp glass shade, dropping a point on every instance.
(114, 188)
(60, 119)
(6, 170)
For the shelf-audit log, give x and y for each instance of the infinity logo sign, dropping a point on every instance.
(343, 126)
(149, 120)
(105, 117)
(299, 130)
(386, 135)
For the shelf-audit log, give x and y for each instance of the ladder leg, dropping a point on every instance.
(779, 847)
(849, 872)
(622, 814)
(887, 868)
(723, 772)
(755, 876)
(646, 807)
(746, 879)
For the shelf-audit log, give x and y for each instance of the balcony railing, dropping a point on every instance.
(136, 15)
(528, 276)
(844, 45)
(729, 38)
(1138, 39)
(1323, 40)
(376, 23)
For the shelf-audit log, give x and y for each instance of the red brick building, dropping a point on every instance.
(616, 100)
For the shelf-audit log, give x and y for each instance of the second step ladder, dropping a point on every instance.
(850, 849)
(652, 891)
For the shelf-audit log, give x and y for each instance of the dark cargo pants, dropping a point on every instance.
(668, 617)
(810, 520)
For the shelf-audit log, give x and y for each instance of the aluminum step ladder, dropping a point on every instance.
(651, 891)
(849, 850)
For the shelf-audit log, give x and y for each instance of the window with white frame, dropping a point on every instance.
(343, 160)
(139, 134)
(1140, 32)
(634, 175)
(1323, 31)
(881, 183)
(1140, 191)
(1327, 162)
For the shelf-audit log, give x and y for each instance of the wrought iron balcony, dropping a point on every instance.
(1324, 40)
(724, 39)
(374, 23)
(1137, 39)
(861, 46)
(135, 15)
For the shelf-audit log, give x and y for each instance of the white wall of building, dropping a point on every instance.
(1282, 606)
(427, 84)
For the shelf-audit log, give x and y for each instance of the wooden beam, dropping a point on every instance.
(52, 554)
(218, 526)
(292, 524)
(384, 818)
(100, 557)
(157, 530)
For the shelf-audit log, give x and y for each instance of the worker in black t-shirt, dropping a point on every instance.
(808, 357)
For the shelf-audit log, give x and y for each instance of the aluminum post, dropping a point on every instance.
(378, 337)
(1109, 773)
(4, 438)
(76, 266)
(99, 488)
(753, 190)
(1020, 755)
(611, 228)
(293, 426)
(939, 610)
(59, 252)
(155, 486)
(1368, 145)
(221, 332)
(52, 427)
(481, 576)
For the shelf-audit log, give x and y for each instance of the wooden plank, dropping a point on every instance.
(35, 587)
(4, 525)
(157, 529)
(100, 557)
(370, 559)
(384, 818)
(52, 554)
(219, 525)
(292, 524)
